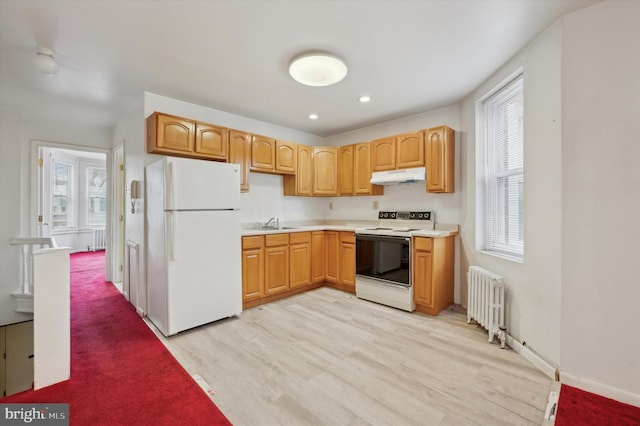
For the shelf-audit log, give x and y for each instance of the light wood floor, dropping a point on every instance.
(327, 358)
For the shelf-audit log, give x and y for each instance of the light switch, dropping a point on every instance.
(375, 205)
(330, 205)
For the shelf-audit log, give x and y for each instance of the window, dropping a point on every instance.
(61, 201)
(97, 196)
(504, 177)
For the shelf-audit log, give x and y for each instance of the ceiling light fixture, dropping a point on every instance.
(364, 99)
(313, 116)
(317, 69)
(45, 60)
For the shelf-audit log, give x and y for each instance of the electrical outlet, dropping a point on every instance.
(375, 205)
(330, 205)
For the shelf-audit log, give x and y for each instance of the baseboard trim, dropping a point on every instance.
(533, 358)
(600, 389)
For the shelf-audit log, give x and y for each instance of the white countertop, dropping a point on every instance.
(441, 231)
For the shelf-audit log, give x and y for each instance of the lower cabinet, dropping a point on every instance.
(252, 268)
(276, 261)
(300, 259)
(279, 265)
(340, 249)
(433, 260)
(318, 266)
(347, 261)
(332, 253)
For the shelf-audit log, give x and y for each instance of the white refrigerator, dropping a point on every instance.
(194, 272)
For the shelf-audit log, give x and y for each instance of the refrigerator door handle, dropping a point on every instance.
(171, 236)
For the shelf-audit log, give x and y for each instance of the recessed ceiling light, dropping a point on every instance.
(317, 69)
(364, 99)
(313, 116)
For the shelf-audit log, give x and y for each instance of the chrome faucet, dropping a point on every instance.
(269, 223)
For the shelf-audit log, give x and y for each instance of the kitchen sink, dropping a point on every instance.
(270, 228)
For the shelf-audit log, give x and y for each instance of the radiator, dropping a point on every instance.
(99, 239)
(485, 302)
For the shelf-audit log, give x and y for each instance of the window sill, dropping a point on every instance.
(504, 256)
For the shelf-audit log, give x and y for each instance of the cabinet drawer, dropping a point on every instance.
(299, 237)
(276, 240)
(422, 243)
(253, 242)
(347, 237)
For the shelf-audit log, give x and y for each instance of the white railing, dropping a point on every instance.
(27, 244)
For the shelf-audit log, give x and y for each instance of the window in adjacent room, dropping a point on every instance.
(61, 195)
(504, 177)
(97, 196)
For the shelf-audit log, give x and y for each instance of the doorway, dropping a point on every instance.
(72, 198)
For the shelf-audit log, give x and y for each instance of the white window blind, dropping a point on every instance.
(504, 215)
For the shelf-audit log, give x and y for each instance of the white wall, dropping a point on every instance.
(18, 201)
(11, 123)
(129, 132)
(601, 199)
(533, 288)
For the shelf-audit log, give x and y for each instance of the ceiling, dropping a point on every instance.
(409, 56)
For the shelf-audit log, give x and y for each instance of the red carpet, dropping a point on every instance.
(121, 374)
(579, 408)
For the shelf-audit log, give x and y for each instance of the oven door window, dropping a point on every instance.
(383, 258)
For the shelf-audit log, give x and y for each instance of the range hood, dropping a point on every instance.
(394, 177)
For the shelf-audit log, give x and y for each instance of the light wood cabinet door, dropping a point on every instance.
(263, 154)
(212, 141)
(422, 274)
(325, 171)
(300, 259)
(240, 153)
(276, 275)
(347, 260)
(383, 154)
(345, 170)
(410, 150)
(362, 171)
(286, 157)
(332, 250)
(440, 159)
(252, 274)
(433, 265)
(317, 257)
(300, 183)
(167, 134)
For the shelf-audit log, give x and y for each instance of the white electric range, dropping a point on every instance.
(383, 258)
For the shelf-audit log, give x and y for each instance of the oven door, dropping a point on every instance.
(385, 259)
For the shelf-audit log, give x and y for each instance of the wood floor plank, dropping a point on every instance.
(326, 357)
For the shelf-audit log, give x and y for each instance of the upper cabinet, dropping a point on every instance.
(212, 141)
(398, 152)
(410, 150)
(440, 159)
(325, 170)
(383, 154)
(240, 153)
(300, 183)
(171, 135)
(345, 170)
(285, 157)
(272, 156)
(362, 171)
(263, 154)
(167, 134)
